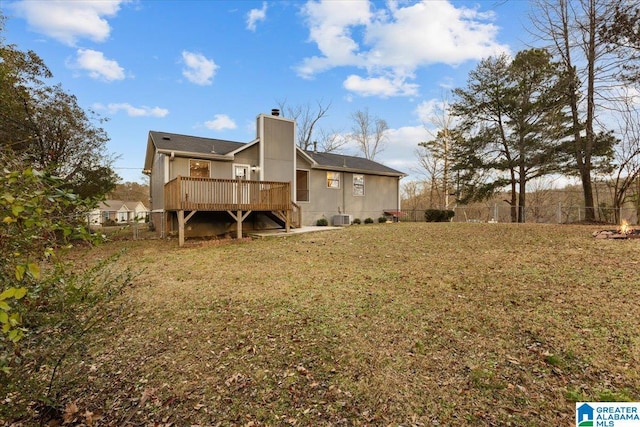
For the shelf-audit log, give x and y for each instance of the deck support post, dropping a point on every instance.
(182, 220)
(287, 220)
(239, 217)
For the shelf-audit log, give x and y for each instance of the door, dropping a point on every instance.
(241, 189)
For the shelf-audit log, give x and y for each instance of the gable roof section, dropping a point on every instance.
(120, 205)
(339, 162)
(192, 144)
(188, 146)
(111, 205)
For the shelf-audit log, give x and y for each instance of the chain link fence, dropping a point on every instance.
(559, 214)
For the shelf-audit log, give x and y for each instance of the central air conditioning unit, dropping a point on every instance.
(342, 219)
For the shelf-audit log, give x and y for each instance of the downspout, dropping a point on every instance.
(399, 208)
(261, 147)
(344, 184)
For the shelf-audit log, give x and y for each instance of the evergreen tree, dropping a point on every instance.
(512, 114)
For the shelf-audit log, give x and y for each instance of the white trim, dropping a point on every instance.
(244, 147)
(191, 154)
(305, 155)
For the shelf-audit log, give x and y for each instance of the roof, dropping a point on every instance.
(116, 205)
(221, 149)
(193, 144)
(338, 161)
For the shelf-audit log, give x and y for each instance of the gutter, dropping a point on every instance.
(362, 171)
(211, 156)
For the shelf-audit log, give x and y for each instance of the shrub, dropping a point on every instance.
(322, 222)
(438, 215)
(382, 219)
(368, 221)
(47, 307)
(356, 221)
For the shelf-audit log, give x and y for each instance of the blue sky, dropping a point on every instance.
(208, 68)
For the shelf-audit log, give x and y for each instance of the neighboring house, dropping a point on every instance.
(207, 187)
(118, 212)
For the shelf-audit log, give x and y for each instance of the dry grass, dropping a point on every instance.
(391, 324)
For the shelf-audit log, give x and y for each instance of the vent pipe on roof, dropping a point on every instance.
(315, 146)
(213, 149)
(275, 112)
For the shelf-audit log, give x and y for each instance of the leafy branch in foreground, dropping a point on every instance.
(46, 308)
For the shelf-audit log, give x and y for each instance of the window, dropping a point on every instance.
(333, 179)
(302, 185)
(358, 185)
(199, 168)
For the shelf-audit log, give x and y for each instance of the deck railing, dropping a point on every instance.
(210, 194)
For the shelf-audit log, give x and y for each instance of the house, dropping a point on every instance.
(206, 187)
(118, 212)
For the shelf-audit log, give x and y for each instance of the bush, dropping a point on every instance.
(368, 221)
(356, 221)
(382, 219)
(322, 222)
(47, 307)
(438, 215)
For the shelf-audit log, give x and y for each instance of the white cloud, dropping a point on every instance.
(256, 15)
(330, 24)
(379, 86)
(68, 21)
(132, 111)
(426, 109)
(220, 122)
(400, 149)
(99, 67)
(390, 44)
(199, 70)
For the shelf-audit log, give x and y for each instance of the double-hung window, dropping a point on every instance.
(358, 185)
(333, 179)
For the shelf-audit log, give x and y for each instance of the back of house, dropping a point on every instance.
(210, 187)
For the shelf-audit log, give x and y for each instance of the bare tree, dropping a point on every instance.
(434, 156)
(429, 167)
(626, 171)
(330, 141)
(369, 133)
(572, 29)
(306, 118)
(412, 192)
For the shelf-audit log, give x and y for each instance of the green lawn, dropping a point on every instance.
(386, 324)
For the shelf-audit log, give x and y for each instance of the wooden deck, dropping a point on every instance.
(237, 197)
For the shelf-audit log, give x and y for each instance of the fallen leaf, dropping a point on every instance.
(70, 412)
